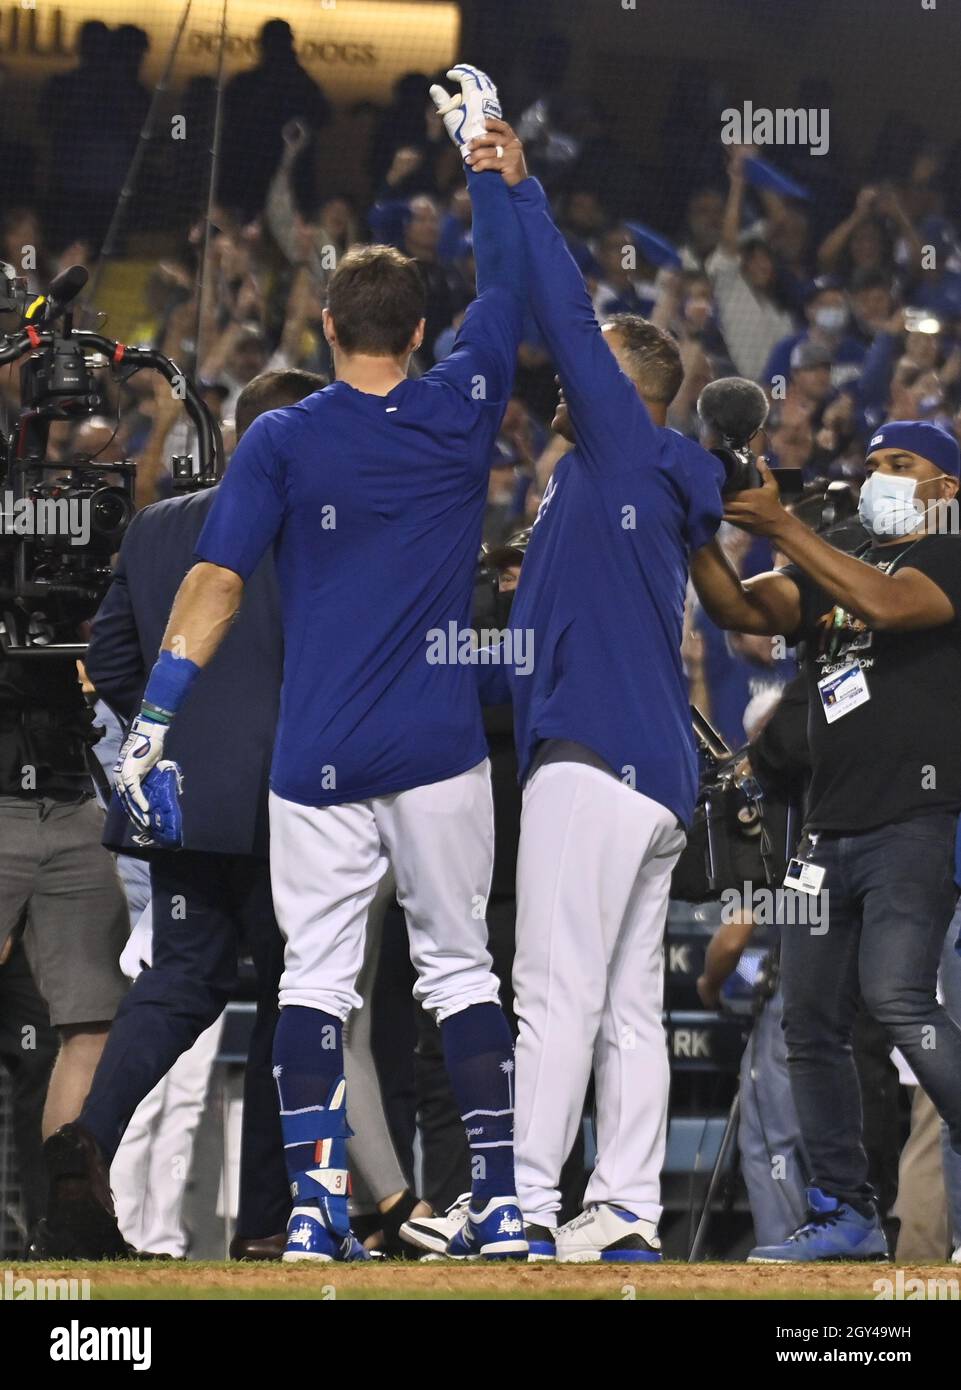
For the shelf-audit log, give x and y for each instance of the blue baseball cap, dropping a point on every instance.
(932, 442)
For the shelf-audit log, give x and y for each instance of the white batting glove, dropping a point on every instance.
(141, 750)
(465, 112)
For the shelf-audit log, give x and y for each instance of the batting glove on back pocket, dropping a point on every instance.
(142, 749)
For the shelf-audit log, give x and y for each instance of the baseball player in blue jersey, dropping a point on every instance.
(372, 493)
(604, 748)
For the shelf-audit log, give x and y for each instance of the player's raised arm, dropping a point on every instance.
(598, 394)
(487, 340)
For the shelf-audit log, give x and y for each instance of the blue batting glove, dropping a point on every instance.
(141, 750)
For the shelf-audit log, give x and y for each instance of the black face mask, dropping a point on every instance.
(502, 607)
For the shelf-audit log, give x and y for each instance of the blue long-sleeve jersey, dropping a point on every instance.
(605, 574)
(374, 505)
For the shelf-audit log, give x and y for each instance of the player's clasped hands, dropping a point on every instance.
(498, 149)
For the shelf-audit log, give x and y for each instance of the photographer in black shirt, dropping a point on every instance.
(882, 638)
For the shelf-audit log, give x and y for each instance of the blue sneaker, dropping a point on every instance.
(310, 1238)
(835, 1232)
(496, 1232)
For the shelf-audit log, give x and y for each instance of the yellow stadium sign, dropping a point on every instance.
(355, 48)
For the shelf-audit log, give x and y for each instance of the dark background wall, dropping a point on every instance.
(877, 63)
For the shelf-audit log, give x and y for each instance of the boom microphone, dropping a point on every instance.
(64, 289)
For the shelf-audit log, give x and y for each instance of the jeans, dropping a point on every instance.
(773, 1163)
(890, 896)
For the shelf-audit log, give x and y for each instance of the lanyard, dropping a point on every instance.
(840, 615)
(903, 556)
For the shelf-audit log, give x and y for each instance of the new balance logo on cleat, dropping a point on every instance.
(300, 1235)
(310, 1237)
(496, 1232)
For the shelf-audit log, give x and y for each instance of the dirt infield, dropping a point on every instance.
(398, 1281)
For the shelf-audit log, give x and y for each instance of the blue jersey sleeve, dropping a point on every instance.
(250, 505)
(482, 361)
(609, 418)
(704, 478)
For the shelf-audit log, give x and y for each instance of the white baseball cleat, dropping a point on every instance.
(495, 1233)
(608, 1233)
(434, 1233)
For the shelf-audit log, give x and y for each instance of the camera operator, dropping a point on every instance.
(59, 888)
(883, 665)
(769, 1128)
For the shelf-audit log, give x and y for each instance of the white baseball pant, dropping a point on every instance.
(152, 1167)
(593, 876)
(326, 863)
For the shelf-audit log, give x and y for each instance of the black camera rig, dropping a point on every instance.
(60, 522)
(729, 842)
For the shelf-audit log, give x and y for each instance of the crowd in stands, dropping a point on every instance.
(837, 288)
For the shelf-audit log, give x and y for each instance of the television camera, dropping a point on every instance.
(60, 522)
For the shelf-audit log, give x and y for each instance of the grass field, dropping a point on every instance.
(399, 1281)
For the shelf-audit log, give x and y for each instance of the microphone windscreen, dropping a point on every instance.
(733, 406)
(68, 284)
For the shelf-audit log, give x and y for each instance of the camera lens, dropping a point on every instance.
(109, 511)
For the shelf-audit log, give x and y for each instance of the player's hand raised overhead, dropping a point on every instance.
(465, 112)
(499, 149)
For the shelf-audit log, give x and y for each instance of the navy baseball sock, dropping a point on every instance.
(479, 1054)
(309, 1071)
